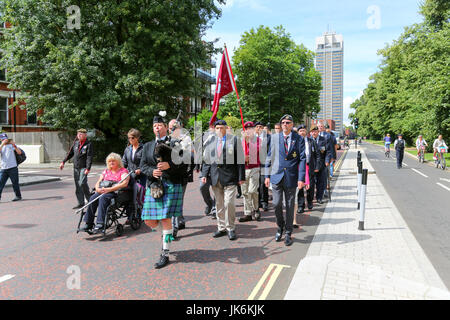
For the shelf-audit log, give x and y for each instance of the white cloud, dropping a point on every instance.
(256, 5)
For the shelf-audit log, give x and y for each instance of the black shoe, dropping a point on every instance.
(78, 206)
(231, 235)
(320, 201)
(310, 207)
(295, 226)
(163, 261)
(174, 232)
(265, 206)
(17, 199)
(208, 211)
(181, 226)
(288, 240)
(257, 215)
(279, 235)
(245, 218)
(86, 227)
(218, 234)
(239, 196)
(300, 210)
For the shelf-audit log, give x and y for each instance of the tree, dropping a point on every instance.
(128, 60)
(269, 64)
(410, 93)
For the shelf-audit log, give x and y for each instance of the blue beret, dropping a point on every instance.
(220, 123)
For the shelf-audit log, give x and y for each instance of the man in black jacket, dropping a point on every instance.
(314, 162)
(82, 153)
(224, 163)
(325, 156)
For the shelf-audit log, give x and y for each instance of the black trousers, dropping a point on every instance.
(309, 193)
(399, 155)
(263, 190)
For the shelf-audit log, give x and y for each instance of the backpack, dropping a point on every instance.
(20, 157)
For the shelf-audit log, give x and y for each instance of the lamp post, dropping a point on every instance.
(14, 108)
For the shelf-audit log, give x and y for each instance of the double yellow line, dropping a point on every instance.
(339, 162)
(273, 277)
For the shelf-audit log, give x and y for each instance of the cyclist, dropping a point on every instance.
(387, 142)
(439, 142)
(420, 142)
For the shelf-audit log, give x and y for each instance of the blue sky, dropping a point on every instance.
(366, 25)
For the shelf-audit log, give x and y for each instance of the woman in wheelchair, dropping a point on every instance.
(105, 187)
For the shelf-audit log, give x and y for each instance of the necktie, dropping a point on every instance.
(286, 144)
(219, 148)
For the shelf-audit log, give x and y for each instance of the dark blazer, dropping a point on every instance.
(315, 160)
(291, 166)
(325, 154)
(329, 144)
(229, 169)
(149, 163)
(127, 160)
(81, 158)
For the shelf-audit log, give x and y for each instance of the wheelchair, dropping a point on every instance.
(121, 206)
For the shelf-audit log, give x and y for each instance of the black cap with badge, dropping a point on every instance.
(287, 117)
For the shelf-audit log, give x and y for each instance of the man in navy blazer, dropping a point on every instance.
(285, 169)
(325, 154)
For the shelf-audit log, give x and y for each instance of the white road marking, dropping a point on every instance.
(26, 172)
(440, 184)
(443, 179)
(6, 277)
(419, 172)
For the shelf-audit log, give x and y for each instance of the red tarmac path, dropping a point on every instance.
(38, 244)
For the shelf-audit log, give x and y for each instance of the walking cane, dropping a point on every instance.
(328, 183)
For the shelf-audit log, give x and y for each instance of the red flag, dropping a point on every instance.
(225, 84)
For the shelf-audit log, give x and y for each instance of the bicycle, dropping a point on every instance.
(440, 158)
(387, 150)
(421, 154)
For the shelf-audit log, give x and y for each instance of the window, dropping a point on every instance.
(3, 110)
(31, 117)
(2, 72)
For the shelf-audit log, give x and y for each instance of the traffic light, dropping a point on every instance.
(356, 123)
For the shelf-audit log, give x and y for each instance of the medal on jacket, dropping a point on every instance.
(294, 154)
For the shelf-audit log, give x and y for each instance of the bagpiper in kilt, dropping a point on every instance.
(157, 164)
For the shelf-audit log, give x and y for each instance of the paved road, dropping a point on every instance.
(39, 250)
(422, 195)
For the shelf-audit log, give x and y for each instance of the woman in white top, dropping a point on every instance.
(439, 142)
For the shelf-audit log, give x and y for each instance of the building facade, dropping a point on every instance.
(330, 64)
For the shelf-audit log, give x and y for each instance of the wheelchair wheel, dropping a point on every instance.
(119, 229)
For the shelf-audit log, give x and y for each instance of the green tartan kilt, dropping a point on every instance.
(168, 206)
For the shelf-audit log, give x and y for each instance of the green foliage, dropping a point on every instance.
(410, 94)
(233, 122)
(269, 63)
(129, 60)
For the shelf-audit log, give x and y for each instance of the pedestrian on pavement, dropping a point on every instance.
(82, 153)
(224, 163)
(251, 144)
(285, 168)
(264, 139)
(320, 177)
(113, 178)
(399, 146)
(170, 204)
(314, 163)
(8, 165)
(131, 161)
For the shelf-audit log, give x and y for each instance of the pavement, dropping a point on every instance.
(383, 261)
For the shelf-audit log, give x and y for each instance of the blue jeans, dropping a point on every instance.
(13, 174)
(102, 205)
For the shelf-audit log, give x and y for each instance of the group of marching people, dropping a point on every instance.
(289, 161)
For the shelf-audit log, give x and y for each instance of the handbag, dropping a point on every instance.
(20, 157)
(107, 183)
